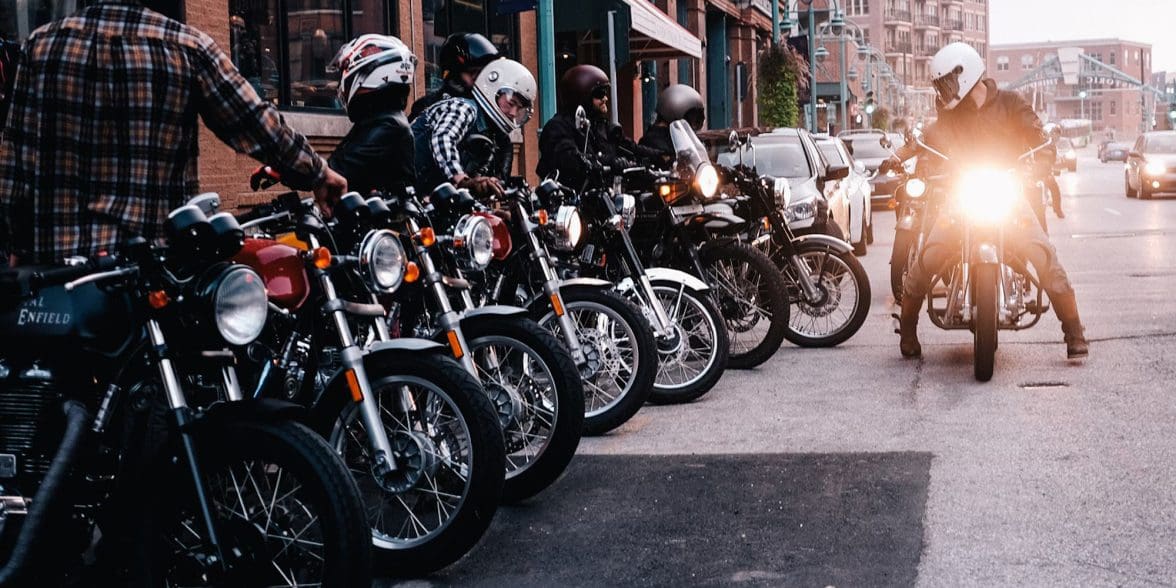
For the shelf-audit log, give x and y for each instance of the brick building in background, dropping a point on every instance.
(283, 47)
(1111, 106)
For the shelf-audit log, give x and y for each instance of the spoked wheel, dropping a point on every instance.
(985, 278)
(753, 300)
(620, 352)
(450, 461)
(691, 359)
(536, 390)
(286, 511)
(843, 299)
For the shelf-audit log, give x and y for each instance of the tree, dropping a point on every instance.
(780, 74)
(881, 118)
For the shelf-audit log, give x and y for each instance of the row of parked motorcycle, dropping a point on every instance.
(271, 391)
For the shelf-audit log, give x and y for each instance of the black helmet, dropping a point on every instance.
(465, 51)
(578, 85)
(680, 101)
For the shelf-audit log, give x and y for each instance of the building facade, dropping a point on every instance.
(283, 48)
(1097, 93)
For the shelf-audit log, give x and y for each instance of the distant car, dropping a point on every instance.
(1151, 165)
(1067, 158)
(866, 149)
(791, 154)
(858, 222)
(1114, 151)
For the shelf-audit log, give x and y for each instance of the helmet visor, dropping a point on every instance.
(947, 87)
(514, 106)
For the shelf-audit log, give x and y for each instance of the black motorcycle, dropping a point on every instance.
(106, 362)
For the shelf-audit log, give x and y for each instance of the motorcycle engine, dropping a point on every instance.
(30, 427)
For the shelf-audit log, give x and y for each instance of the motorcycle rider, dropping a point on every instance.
(978, 121)
(503, 95)
(78, 177)
(561, 144)
(376, 72)
(462, 58)
(1054, 132)
(676, 102)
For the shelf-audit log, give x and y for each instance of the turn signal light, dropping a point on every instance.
(158, 299)
(542, 216)
(455, 344)
(412, 271)
(557, 305)
(426, 236)
(321, 258)
(353, 385)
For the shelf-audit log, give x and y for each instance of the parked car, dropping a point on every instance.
(793, 155)
(858, 221)
(1151, 165)
(1067, 158)
(867, 150)
(1114, 151)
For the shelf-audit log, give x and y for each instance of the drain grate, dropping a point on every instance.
(1042, 385)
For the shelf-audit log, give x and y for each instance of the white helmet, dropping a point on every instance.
(506, 80)
(955, 70)
(372, 62)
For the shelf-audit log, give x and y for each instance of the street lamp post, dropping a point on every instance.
(837, 26)
(1082, 104)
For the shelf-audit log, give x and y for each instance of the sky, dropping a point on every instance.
(1146, 21)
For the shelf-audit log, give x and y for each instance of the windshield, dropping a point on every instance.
(831, 153)
(868, 148)
(782, 158)
(1161, 144)
(689, 150)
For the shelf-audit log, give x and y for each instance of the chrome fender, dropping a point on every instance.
(586, 282)
(821, 239)
(673, 275)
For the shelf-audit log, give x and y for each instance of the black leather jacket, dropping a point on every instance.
(377, 154)
(657, 138)
(561, 145)
(998, 132)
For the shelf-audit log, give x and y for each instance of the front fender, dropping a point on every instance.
(250, 409)
(673, 275)
(491, 311)
(986, 253)
(405, 345)
(586, 283)
(906, 223)
(824, 240)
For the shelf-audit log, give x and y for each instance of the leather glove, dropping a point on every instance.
(484, 186)
(890, 164)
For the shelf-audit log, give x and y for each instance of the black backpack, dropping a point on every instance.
(9, 59)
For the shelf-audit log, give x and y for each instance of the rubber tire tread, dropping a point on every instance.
(859, 314)
(985, 291)
(709, 379)
(774, 286)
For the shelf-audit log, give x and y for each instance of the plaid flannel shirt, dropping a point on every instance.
(102, 137)
(450, 120)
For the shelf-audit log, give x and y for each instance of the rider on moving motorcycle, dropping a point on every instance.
(978, 121)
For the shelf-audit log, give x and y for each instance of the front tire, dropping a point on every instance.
(542, 434)
(985, 278)
(433, 522)
(900, 257)
(692, 359)
(622, 355)
(1127, 187)
(753, 300)
(845, 300)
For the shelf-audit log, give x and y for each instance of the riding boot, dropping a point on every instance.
(1066, 307)
(908, 326)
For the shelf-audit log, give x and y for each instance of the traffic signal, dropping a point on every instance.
(870, 106)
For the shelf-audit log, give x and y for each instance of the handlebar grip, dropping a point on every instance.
(61, 275)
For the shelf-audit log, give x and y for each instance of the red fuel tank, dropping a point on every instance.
(282, 268)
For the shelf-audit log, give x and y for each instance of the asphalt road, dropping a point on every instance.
(855, 467)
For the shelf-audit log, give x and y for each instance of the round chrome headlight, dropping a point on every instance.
(783, 192)
(239, 305)
(915, 188)
(474, 241)
(626, 207)
(382, 260)
(568, 228)
(707, 179)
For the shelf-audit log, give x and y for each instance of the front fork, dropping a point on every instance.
(551, 289)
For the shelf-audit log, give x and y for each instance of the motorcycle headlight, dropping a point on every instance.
(783, 192)
(707, 180)
(474, 241)
(568, 228)
(988, 196)
(915, 188)
(626, 207)
(239, 304)
(800, 211)
(382, 260)
(1154, 168)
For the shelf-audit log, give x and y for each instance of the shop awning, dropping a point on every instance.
(641, 30)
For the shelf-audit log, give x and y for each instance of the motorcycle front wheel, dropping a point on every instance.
(537, 393)
(692, 358)
(449, 454)
(752, 298)
(620, 352)
(843, 301)
(986, 279)
(286, 510)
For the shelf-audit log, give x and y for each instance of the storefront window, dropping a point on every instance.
(18, 18)
(288, 64)
(445, 17)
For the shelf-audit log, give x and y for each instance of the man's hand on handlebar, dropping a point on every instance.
(328, 192)
(484, 186)
(890, 164)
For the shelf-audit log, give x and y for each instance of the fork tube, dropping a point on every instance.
(232, 386)
(552, 291)
(448, 319)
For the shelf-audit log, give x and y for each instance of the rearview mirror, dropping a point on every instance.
(581, 119)
(885, 142)
(733, 141)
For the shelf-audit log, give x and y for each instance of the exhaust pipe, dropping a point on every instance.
(76, 417)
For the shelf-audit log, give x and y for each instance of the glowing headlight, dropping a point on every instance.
(707, 180)
(988, 196)
(239, 305)
(382, 260)
(568, 229)
(1154, 168)
(800, 211)
(890, 173)
(915, 188)
(474, 241)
